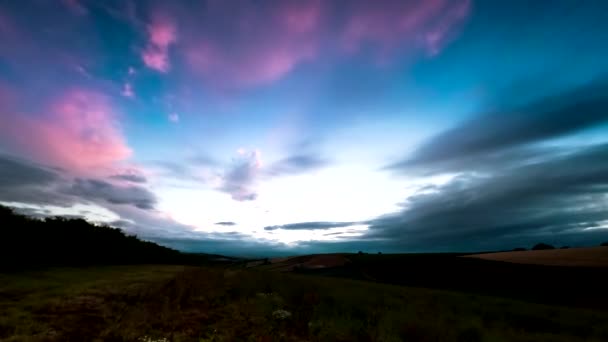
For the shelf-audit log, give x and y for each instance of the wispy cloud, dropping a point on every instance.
(239, 179)
(313, 225)
(494, 135)
(133, 177)
(162, 33)
(296, 164)
(225, 223)
(173, 117)
(127, 90)
(256, 44)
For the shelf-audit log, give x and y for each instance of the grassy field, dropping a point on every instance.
(173, 303)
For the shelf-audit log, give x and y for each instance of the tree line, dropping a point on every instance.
(58, 241)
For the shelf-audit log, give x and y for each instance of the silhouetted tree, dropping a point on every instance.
(27, 242)
(604, 244)
(542, 246)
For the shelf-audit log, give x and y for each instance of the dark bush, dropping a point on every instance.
(519, 249)
(604, 244)
(542, 246)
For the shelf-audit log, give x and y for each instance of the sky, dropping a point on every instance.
(290, 127)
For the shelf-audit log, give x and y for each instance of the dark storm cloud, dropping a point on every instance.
(129, 177)
(226, 223)
(16, 171)
(312, 225)
(27, 182)
(126, 195)
(297, 164)
(488, 137)
(545, 198)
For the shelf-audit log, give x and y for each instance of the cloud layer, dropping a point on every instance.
(244, 44)
(509, 188)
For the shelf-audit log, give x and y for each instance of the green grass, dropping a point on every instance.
(172, 303)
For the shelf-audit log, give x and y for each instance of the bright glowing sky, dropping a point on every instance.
(282, 127)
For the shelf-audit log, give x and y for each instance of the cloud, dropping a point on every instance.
(78, 132)
(225, 223)
(162, 33)
(127, 90)
(245, 44)
(27, 182)
(173, 117)
(558, 198)
(296, 164)
(510, 188)
(250, 43)
(240, 178)
(14, 171)
(312, 225)
(132, 177)
(388, 26)
(38, 190)
(93, 189)
(494, 136)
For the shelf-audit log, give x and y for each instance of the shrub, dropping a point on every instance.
(542, 246)
(604, 244)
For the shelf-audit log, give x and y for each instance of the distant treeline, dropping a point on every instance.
(56, 241)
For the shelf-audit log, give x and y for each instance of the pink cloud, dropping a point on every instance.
(249, 44)
(438, 36)
(388, 26)
(162, 33)
(78, 132)
(258, 45)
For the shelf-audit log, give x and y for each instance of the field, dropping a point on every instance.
(176, 303)
(579, 257)
(553, 285)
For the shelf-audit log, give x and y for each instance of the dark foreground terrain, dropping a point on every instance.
(177, 303)
(573, 286)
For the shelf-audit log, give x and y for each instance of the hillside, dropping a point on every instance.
(573, 286)
(578, 257)
(28, 242)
